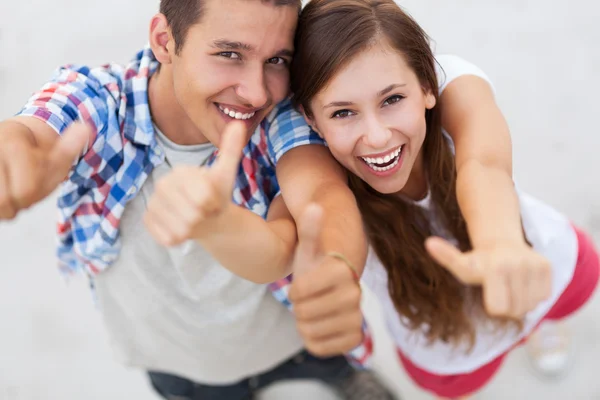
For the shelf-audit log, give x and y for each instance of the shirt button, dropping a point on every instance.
(132, 190)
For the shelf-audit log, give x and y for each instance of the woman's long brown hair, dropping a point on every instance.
(330, 34)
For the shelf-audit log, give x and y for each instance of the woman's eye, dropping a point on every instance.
(342, 114)
(392, 99)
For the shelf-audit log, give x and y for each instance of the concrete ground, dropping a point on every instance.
(543, 57)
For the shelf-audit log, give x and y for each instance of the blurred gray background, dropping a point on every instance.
(543, 57)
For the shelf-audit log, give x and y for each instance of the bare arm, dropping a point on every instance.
(192, 203)
(37, 132)
(309, 174)
(258, 250)
(485, 189)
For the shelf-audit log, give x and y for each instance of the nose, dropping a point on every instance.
(252, 87)
(377, 134)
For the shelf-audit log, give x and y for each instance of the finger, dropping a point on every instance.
(334, 346)
(328, 304)
(186, 193)
(309, 231)
(496, 294)
(8, 209)
(158, 229)
(332, 326)
(203, 195)
(540, 283)
(537, 290)
(164, 216)
(26, 178)
(69, 147)
(332, 275)
(519, 285)
(461, 265)
(225, 169)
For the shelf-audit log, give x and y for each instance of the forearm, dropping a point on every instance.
(485, 189)
(343, 230)
(310, 174)
(489, 203)
(247, 245)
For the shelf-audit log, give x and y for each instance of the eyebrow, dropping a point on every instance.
(390, 88)
(381, 93)
(228, 45)
(224, 44)
(339, 104)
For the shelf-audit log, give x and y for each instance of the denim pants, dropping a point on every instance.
(333, 371)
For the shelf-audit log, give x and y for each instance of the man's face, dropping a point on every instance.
(234, 64)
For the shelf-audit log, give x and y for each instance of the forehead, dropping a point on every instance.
(255, 22)
(367, 73)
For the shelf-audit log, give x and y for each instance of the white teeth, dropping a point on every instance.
(383, 160)
(236, 114)
(382, 169)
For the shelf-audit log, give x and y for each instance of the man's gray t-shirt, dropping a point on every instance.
(177, 310)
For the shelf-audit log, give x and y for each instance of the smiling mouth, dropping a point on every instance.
(235, 114)
(381, 164)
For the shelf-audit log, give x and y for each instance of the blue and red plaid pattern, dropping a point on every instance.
(124, 151)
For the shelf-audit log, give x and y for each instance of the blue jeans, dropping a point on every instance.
(333, 371)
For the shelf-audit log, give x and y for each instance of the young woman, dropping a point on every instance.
(465, 265)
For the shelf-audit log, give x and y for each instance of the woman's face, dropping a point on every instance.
(372, 115)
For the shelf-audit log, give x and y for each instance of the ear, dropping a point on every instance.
(430, 100)
(161, 40)
(310, 122)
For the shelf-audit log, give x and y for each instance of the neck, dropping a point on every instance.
(416, 187)
(167, 113)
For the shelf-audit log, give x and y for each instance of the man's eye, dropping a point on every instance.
(230, 54)
(277, 61)
(342, 114)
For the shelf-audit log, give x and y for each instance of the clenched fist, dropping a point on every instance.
(514, 278)
(325, 294)
(190, 199)
(29, 173)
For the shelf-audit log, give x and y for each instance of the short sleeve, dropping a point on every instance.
(72, 94)
(286, 130)
(450, 67)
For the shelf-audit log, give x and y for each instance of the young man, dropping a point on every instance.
(201, 329)
(197, 322)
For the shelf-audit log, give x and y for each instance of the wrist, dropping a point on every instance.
(215, 223)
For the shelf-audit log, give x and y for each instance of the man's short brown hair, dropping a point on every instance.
(182, 14)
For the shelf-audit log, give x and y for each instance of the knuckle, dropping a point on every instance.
(26, 192)
(357, 321)
(317, 348)
(301, 312)
(300, 287)
(503, 269)
(352, 298)
(306, 330)
(7, 212)
(163, 185)
(494, 309)
(354, 341)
